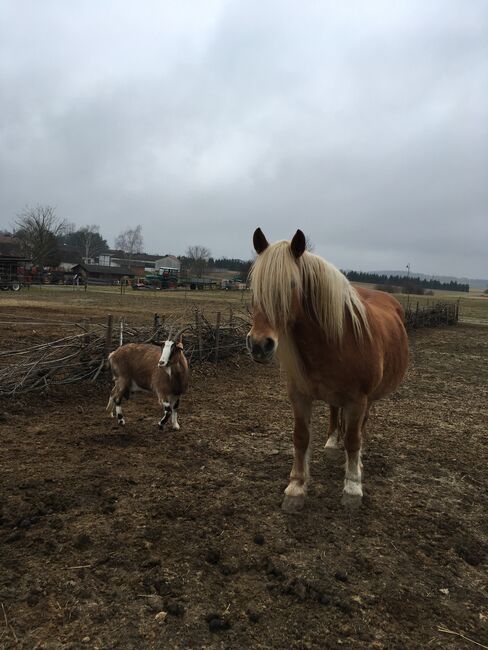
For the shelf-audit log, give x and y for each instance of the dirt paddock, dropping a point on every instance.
(132, 538)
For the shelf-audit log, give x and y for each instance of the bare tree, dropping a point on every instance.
(38, 228)
(88, 240)
(131, 242)
(198, 259)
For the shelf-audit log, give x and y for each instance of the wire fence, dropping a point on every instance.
(81, 356)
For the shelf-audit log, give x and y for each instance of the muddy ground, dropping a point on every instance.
(132, 538)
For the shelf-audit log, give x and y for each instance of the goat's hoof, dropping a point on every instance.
(176, 427)
(351, 501)
(121, 422)
(161, 426)
(292, 505)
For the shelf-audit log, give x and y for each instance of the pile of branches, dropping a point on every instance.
(65, 361)
(203, 339)
(82, 357)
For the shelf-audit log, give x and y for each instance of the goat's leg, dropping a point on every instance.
(166, 412)
(119, 391)
(175, 402)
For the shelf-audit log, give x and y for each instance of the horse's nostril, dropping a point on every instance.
(256, 350)
(268, 345)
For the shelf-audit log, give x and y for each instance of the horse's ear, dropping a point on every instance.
(259, 240)
(298, 244)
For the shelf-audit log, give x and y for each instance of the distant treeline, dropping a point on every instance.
(231, 264)
(408, 283)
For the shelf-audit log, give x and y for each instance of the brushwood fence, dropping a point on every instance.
(82, 356)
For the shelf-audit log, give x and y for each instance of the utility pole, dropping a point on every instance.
(408, 284)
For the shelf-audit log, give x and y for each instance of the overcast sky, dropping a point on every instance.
(363, 123)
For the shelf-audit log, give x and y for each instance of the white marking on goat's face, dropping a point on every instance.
(166, 354)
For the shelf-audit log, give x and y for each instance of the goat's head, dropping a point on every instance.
(171, 350)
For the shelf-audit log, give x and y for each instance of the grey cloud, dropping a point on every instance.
(365, 124)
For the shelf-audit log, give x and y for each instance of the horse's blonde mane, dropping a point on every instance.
(324, 292)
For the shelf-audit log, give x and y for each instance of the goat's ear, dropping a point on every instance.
(180, 343)
(298, 244)
(259, 240)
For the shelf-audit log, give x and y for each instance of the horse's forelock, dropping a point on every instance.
(325, 293)
(274, 277)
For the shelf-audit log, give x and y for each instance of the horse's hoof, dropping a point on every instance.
(292, 504)
(351, 501)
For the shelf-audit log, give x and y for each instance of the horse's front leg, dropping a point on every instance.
(355, 415)
(300, 474)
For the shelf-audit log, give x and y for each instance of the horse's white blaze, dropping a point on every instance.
(333, 441)
(352, 482)
(166, 353)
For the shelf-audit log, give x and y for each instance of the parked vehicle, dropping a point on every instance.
(9, 273)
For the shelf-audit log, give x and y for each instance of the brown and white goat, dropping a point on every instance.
(145, 367)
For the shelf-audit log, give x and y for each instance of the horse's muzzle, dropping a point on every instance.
(261, 350)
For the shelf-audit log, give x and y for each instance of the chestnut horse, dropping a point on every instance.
(343, 345)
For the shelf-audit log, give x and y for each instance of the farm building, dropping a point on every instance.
(98, 273)
(169, 264)
(149, 263)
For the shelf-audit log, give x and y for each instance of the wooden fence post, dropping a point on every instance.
(108, 335)
(199, 333)
(85, 324)
(217, 337)
(156, 326)
(121, 332)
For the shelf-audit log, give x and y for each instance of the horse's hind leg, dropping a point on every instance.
(333, 444)
(300, 474)
(354, 420)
